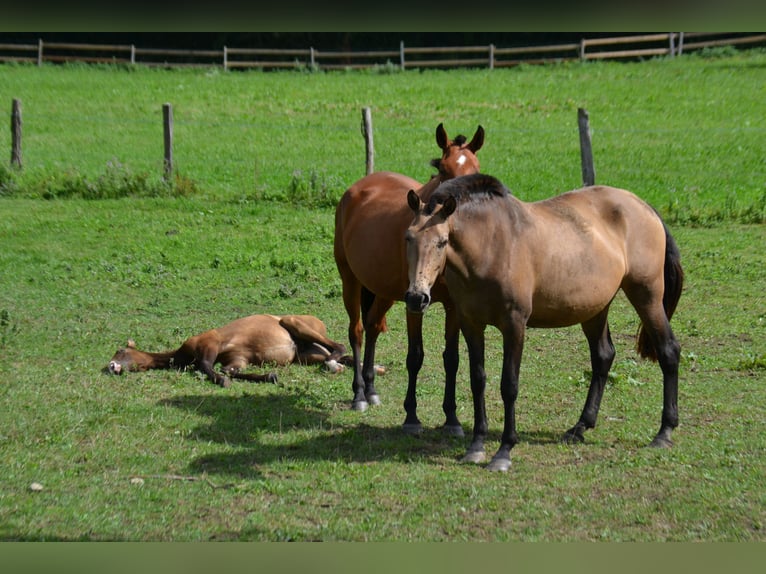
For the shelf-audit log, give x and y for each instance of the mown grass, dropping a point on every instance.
(167, 456)
(292, 462)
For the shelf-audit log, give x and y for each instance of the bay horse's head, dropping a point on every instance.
(426, 244)
(458, 157)
(126, 359)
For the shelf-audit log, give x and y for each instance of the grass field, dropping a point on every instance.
(167, 456)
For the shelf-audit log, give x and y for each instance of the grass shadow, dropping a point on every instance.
(257, 425)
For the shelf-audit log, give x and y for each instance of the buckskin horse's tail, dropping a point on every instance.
(674, 282)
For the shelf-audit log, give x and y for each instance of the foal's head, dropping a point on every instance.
(127, 359)
(458, 158)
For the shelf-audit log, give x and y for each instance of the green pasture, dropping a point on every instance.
(247, 227)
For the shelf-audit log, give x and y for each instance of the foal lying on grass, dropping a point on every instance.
(252, 340)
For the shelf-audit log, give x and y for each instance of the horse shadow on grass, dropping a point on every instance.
(255, 423)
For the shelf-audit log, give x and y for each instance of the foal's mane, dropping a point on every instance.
(473, 188)
(458, 141)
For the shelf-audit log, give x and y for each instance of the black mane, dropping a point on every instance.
(468, 188)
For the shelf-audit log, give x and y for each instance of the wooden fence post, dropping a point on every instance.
(586, 151)
(167, 121)
(367, 133)
(16, 133)
(401, 55)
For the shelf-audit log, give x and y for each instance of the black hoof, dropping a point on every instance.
(474, 457)
(453, 430)
(359, 406)
(573, 437)
(500, 464)
(660, 442)
(412, 428)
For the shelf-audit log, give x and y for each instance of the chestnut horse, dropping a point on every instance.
(370, 221)
(255, 340)
(550, 263)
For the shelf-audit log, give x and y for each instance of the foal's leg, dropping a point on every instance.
(601, 357)
(205, 360)
(474, 338)
(306, 337)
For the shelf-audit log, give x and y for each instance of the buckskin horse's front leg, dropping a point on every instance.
(474, 339)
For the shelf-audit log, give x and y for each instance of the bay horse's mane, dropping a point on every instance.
(459, 140)
(468, 188)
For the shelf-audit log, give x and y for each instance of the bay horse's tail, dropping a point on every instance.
(674, 282)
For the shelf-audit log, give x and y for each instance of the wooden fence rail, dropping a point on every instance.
(491, 56)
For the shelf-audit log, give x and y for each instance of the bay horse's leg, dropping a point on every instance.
(451, 358)
(474, 338)
(352, 301)
(601, 357)
(414, 363)
(513, 346)
(374, 325)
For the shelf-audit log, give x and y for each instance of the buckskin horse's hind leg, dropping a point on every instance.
(601, 357)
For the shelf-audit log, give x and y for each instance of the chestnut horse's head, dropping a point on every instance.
(458, 157)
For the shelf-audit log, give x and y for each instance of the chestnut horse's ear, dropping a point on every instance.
(449, 207)
(477, 141)
(131, 344)
(413, 200)
(441, 137)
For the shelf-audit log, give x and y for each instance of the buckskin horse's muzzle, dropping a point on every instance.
(417, 302)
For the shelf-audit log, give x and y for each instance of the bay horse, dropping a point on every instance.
(253, 340)
(370, 220)
(550, 263)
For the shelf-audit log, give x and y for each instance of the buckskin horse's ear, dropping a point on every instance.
(413, 200)
(441, 137)
(477, 141)
(449, 207)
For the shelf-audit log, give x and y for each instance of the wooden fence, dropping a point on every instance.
(491, 56)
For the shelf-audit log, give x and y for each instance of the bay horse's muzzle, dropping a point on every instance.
(417, 302)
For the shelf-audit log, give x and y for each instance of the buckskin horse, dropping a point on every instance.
(253, 340)
(551, 263)
(370, 221)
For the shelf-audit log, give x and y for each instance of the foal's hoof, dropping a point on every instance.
(474, 457)
(453, 430)
(271, 378)
(499, 464)
(374, 399)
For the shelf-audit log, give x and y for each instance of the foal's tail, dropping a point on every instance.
(674, 282)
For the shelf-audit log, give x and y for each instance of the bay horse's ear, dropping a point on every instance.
(413, 200)
(131, 344)
(449, 207)
(477, 141)
(441, 137)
